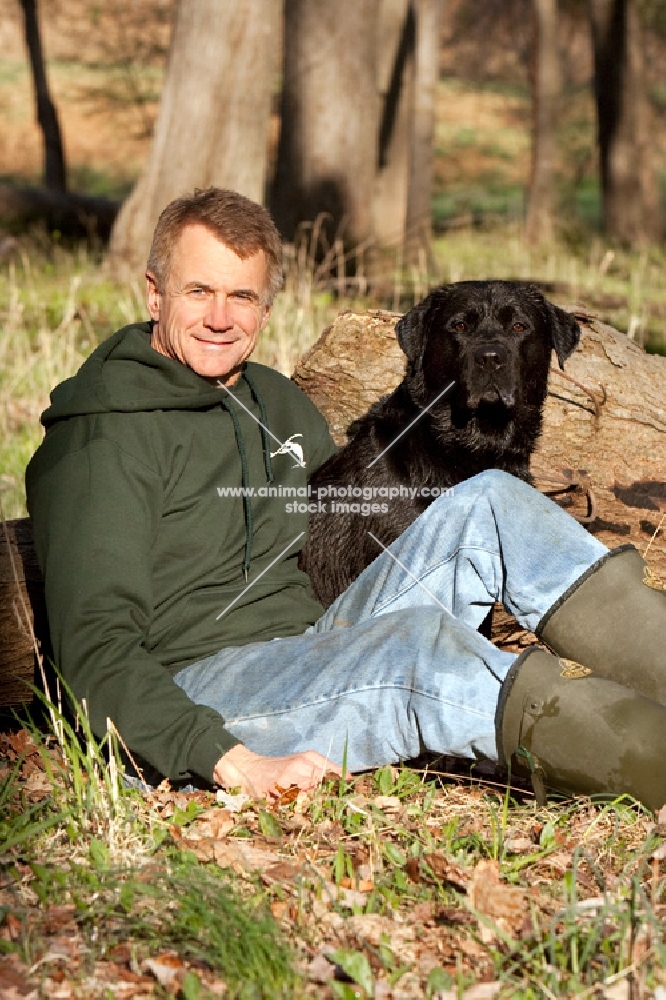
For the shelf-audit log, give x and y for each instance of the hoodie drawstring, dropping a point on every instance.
(245, 475)
(265, 442)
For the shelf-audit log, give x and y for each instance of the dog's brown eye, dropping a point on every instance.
(518, 327)
(460, 327)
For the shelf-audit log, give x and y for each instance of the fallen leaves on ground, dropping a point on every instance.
(400, 895)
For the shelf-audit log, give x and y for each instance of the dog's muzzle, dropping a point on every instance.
(491, 377)
(490, 357)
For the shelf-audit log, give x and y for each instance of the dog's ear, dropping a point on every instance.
(409, 330)
(565, 332)
(413, 329)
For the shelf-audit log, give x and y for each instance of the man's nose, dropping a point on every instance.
(218, 314)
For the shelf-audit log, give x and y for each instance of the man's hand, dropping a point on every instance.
(257, 775)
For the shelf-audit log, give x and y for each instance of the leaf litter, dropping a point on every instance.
(398, 884)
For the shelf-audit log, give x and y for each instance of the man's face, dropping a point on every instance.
(212, 308)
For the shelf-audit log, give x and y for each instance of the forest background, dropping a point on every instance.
(401, 884)
(465, 198)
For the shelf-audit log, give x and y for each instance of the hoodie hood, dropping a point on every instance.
(111, 380)
(126, 375)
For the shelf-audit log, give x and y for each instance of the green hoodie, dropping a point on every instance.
(144, 556)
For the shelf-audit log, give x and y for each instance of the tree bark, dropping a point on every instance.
(55, 176)
(418, 228)
(326, 164)
(630, 193)
(539, 223)
(395, 81)
(22, 607)
(212, 127)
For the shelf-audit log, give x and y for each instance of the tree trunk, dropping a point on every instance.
(54, 157)
(631, 202)
(326, 164)
(418, 228)
(545, 93)
(395, 81)
(212, 127)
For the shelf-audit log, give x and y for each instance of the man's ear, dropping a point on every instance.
(152, 296)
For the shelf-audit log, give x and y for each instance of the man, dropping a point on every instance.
(169, 550)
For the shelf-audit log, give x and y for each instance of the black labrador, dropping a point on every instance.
(478, 355)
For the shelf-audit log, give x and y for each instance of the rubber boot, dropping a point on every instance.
(613, 619)
(579, 733)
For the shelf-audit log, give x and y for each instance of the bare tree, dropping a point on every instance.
(539, 224)
(358, 113)
(47, 116)
(396, 44)
(328, 141)
(212, 126)
(631, 203)
(418, 227)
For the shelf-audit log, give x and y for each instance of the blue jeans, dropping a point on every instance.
(395, 666)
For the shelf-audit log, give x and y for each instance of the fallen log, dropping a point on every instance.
(603, 452)
(72, 214)
(23, 623)
(603, 447)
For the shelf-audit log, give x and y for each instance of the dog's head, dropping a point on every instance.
(493, 339)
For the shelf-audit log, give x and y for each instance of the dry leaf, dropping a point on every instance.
(480, 991)
(363, 884)
(234, 803)
(203, 850)
(243, 857)
(346, 897)
(505, 906)
(13, 982)
(618, 991)
(659, 854)
(320, 970)
(213, 823)
(13, 926)
(518, 845)
(285, 796)
(443, 870)
(561, 861)
(422, 913)
(387, 803)
(166, 968)
(280, 872)
(448, 916)
(38, 786)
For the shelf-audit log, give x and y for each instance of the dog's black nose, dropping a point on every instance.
(489, 357)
